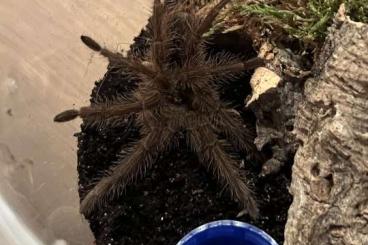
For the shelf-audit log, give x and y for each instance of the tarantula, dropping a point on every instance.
(176, 93)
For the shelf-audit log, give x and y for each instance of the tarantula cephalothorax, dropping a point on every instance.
(176, 93)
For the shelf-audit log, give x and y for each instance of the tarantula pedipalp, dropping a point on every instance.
(175, 93)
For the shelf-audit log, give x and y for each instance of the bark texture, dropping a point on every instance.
(330, 172)
(277, 93)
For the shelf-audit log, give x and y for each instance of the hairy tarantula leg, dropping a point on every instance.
(66, 116)
(229, 123)
(143, 156)
(102, 112)
(231, 68)
(211, 16)
(157, 45)
(157, 48)
(211, 151)
(117, 59)
(249, 64)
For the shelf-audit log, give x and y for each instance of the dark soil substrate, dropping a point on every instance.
(178, 194)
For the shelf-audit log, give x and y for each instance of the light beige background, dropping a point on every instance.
(45, 69)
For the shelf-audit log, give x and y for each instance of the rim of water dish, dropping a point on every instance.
(235, 223)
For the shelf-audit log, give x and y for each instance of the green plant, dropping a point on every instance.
(307, 20)
(304, 20)
(358, 10)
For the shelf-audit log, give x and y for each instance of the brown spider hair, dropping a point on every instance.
(176, 93)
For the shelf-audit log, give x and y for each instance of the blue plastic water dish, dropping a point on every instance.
(227, 232)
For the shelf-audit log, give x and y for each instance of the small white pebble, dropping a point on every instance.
(60, 242)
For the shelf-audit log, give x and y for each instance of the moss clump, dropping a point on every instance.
(307, 20)
(358, 10)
